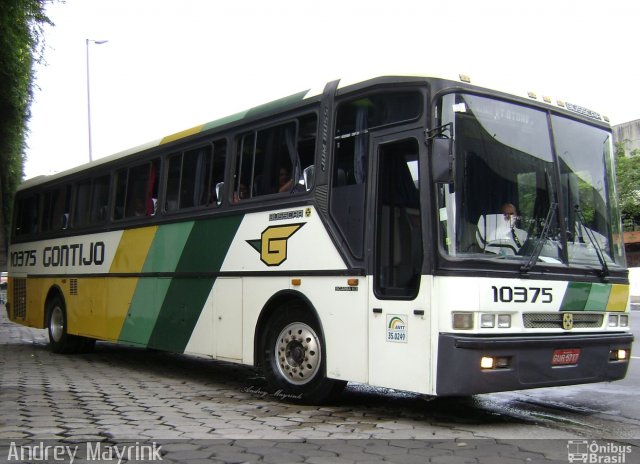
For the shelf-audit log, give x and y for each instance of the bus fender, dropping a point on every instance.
(276, 301)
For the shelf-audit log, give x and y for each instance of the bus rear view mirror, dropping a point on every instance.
(309, 176)
(219, 192)
(442, 160)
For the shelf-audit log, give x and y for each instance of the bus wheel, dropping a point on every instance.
(294, 357)
(59, 340)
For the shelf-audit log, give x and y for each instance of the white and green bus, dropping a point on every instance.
(414, 233)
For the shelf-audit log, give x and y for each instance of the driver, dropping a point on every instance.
(497, 233)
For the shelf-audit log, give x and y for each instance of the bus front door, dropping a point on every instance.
(399, 320)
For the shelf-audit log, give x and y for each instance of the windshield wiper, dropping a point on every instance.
(603, 262)
(541, 239)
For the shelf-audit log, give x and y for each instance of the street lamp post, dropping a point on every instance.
(97, 42)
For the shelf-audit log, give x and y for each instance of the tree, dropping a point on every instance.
(628, 183)
(21, 26)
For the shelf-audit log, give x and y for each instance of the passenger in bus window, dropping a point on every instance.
(285, 181)
(140, 209)
(240, 194)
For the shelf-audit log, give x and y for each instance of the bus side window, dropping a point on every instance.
(121, 193)
(192, 176)
(356, 120)
(82, 204)
(55, 209)
(92, 200)
(99, 199)
(137, 191)
(172, 196)
(26, 216)
(217, 171)
(306, 148)
(272, 160)
(196, 166)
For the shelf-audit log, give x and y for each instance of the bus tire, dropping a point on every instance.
(293, 357)
(60, 341)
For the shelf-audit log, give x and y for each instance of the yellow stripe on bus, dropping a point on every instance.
(179, 135)
(618, 297)
(132, 250)
(100, 306)
(120, 291)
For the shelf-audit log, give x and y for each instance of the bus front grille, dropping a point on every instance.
(19, 298)
(554, 320)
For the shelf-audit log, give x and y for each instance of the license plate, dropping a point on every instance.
(565, 357)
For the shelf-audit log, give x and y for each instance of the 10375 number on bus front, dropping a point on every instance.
(507, 294)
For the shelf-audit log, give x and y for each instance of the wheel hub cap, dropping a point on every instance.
(56, 325)
(298, 353)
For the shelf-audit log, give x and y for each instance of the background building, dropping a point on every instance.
(629, 134)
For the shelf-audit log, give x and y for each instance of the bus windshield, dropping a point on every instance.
(528, 186)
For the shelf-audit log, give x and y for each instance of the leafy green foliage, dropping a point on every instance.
(628, 183)
(21, 26)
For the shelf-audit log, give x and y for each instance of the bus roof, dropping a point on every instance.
(256, 110)
(291, 100)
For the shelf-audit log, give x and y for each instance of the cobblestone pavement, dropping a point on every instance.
(196, 410)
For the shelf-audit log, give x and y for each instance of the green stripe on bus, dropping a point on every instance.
(223, 121)
(598, 297)
(204, 251)
(164, 254)
(576, 296)
(271, 106)
(179, 313)
(277, 104)
(144, 309)
(167, 247)
(208, 244)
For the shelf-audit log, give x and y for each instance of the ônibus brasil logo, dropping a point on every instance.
(594, 452)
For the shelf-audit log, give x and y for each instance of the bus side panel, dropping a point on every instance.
(36, 293)
(86, 302)
(399, 340)
(256, 293)
(119, 296)
(343, 314)
(218, 332)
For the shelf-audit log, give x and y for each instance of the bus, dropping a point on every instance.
(410, 232)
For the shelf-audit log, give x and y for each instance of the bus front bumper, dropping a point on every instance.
(524, 362)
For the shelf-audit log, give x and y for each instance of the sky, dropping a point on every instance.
(172, 65)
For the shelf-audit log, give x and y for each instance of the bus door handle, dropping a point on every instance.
(377, 310)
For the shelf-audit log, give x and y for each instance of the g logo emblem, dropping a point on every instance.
(567, 321)
(272, 244)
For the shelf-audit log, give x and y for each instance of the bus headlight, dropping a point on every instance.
(613, 320)
(495, 362)
(463, 321)
(486, 362)
(619, 355)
